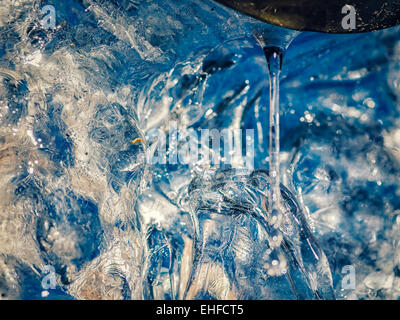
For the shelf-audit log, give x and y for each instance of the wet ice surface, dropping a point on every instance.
(78, 195)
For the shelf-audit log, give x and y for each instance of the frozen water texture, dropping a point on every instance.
(77, 102)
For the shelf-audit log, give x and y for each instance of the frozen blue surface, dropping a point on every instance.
(77, 104)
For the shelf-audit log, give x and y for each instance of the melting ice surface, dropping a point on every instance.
(77, 104)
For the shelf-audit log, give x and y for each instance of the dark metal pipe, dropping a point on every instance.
(331, 16)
